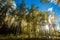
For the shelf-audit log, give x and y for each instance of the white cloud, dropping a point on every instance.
(14, 5)
(58, 28)
(51, 1)
(58, 20)
(50, 9)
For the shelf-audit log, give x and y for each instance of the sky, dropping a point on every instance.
(51, 6)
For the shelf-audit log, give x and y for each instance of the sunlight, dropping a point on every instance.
(47, 27)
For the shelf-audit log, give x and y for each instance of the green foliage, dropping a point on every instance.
(23, 22)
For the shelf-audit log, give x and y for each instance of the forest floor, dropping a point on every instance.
(11, 37)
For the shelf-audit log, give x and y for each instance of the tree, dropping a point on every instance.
(44, 1)
(47, 1)
(4, 9)
(21, 14)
